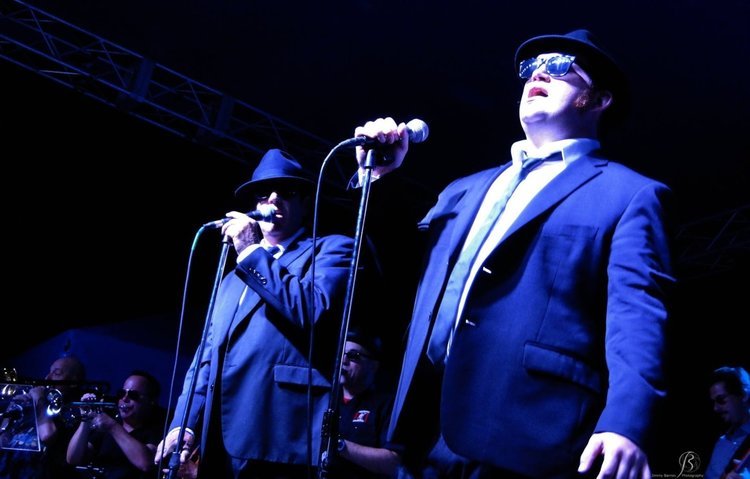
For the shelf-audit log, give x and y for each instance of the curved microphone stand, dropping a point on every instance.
(174, 460)
(330, 428)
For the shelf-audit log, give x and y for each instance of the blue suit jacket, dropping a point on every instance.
(260, 351)
(568, 318)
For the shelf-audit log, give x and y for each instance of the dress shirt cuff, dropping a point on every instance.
(187, 429)
(360, 178)
(246, 252)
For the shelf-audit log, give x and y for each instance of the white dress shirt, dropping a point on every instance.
(530, 186)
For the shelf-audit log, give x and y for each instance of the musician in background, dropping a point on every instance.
(121, 443)
(364, 412)
(53, 428)
(730, 394)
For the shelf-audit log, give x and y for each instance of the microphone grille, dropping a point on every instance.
(418, 130)
(268, 209)
(268, 212)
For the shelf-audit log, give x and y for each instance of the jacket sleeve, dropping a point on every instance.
(639, 286)
(294, 291)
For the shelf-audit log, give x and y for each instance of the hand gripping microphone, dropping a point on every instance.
(265, 213)
(417, 130)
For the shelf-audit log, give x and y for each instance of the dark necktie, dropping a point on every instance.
(272, 250)
(445, 320)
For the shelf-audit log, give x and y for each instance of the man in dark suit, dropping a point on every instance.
(536, 343)
(250, 404)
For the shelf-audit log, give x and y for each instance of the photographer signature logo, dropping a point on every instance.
(689, 463)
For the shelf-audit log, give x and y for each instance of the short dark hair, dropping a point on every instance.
(368, 340)
(736, 380)
(77, 366)
(152, 384)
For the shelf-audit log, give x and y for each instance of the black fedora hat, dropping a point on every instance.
(276, 166)
(590, 55)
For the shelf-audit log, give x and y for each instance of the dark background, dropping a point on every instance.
(101, 209)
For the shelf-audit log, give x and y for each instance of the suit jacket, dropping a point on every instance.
(566, 322)
(256, 354)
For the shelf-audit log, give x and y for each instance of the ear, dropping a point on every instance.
(601, 99)
(593, 99)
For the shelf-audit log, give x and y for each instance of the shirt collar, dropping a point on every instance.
(571, 149)
(284, 244)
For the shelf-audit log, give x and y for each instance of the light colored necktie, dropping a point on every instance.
(445, 320)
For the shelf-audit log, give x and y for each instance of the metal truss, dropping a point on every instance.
(95, 67)
(713, 245)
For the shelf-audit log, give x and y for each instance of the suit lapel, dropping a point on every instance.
(468, 207)
(252, 299)
(455, 213)
(227, 307)
(570, 179)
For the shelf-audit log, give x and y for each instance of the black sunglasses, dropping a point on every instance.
(283, 192)
(131, 394)
(554, 66)
(356, 356)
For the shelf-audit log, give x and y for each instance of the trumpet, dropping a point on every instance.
(56, 405)
(94, 406)
(54, 401)
(13, 385)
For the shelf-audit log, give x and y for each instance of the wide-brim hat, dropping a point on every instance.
(276, 166)
(590, 55)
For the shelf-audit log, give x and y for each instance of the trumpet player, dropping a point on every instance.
(53, 431)
(120, 442)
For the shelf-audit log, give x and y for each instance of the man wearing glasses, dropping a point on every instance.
(119, 441)
(536, 342)
(730, 394)
(364, 411)
(258, 403)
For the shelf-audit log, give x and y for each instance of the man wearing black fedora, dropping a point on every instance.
(250, 403)
(537, 338)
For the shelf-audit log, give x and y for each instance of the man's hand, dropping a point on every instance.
(166, 446)
(622, 458)
(243, 230)
(88, 413)
(393, 139)
(101, 421)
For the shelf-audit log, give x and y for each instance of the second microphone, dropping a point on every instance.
(265, 213)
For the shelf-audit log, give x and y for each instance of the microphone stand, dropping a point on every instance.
(330, 427)
(174, 460)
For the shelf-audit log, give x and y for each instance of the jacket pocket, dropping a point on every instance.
(284, 374)
(540, 359)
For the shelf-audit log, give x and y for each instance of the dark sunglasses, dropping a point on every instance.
(554, 66)
(283, 192)
(131, 394)
(356, 356)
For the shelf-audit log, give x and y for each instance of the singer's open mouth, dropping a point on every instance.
(537, 91)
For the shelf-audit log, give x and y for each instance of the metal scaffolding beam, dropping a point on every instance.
(105, 71)
(714, 244)
(116, 76)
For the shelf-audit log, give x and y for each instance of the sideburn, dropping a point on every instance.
(586, 100)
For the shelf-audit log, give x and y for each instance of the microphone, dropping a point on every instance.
(265, 213)
(416, 129)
